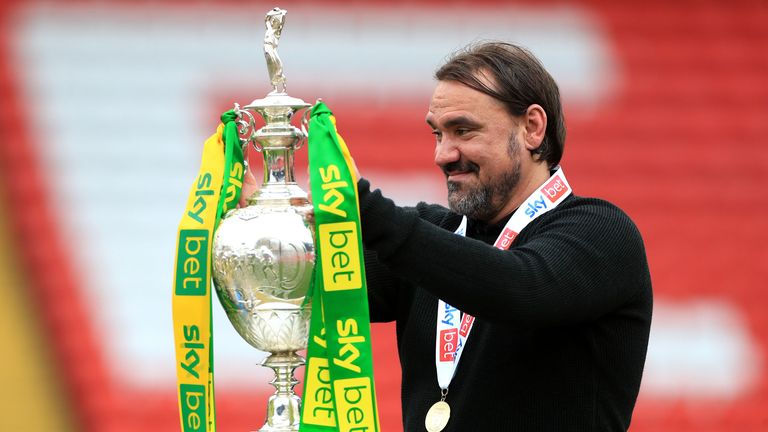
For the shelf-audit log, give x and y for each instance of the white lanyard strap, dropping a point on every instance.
(453, 327)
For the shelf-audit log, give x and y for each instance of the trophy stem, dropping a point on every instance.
(284, 407)
(278, 166)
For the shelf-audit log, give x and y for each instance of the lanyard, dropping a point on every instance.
(453, 326)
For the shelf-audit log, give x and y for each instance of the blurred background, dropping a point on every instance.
(104, 106)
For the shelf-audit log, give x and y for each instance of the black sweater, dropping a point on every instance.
(562, 317)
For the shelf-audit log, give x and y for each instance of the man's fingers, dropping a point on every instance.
(250, 185)
(354, 166)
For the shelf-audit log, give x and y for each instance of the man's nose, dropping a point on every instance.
(446, 152)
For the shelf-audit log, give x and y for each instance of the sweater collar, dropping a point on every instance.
(481, 228)
(476, 227)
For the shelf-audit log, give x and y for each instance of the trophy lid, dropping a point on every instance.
(277, 100)
(277, 108)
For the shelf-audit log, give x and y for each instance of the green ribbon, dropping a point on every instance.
(339, 393)
(234, 169)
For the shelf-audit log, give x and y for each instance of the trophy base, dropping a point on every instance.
(283, 407)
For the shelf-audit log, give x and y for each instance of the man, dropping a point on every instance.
(562, 302)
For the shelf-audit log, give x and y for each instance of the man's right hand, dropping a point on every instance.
(250, 184)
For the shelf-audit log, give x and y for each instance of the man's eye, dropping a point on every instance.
(461, 131)
(437, 134)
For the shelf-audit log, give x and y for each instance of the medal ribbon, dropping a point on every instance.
(453, 327)
(339, 392)
(215, 191)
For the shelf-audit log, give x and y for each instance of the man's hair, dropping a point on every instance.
(518, 80)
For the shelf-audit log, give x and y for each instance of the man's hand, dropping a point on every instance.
(354, 167)
(250, 185)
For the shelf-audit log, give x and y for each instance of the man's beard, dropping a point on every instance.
(483, 201)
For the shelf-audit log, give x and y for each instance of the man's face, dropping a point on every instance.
(477, 149)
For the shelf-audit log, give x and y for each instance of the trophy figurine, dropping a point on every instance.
(263, 254)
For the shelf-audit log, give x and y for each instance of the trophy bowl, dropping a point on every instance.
(263, 258)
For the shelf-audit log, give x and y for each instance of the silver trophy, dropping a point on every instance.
(263, 254)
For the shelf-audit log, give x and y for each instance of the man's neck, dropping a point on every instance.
(527, 186)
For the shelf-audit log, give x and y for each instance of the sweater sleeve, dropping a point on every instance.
(386, 291)
(571, 265)
(383, 289)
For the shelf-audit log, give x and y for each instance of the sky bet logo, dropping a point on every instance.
(466, 324)
(449, 339)
(506, 238)
(552, 190)
(318, 408)
(354, 399)
(340, 256)
(192, 407)
(191, 263)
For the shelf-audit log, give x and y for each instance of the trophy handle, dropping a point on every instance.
(247, 128)
(304, 126)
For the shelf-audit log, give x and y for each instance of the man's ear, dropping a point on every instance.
(535, 122)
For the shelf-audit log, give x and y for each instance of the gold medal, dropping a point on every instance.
(437, 416)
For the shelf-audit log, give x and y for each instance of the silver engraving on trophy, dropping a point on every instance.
(263, 254)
